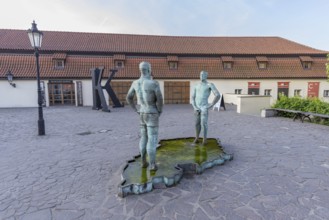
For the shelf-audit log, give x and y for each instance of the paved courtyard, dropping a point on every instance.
(280, 168)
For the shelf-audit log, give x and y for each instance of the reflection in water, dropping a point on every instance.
(174, 157)
(200, 154)
(169, 155)
(146, 175)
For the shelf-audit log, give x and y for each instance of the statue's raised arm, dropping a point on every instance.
(216, 94)
(130, 97)
(159, 98)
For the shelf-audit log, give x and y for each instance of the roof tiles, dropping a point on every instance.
(83, 51)
(306, 59)
(261, 59)
(178, 45)
(59, 56)
(78, 66)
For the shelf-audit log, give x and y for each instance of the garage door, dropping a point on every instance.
(120, 88)
(176, 92)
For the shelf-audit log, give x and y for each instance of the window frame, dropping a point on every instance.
(260, 65)
(307, 65)
(297, 93)
(116, 63)
(326, 93)
(61, 62)
(227, 65)
(237, 91)
(267, 92)
(173, 65)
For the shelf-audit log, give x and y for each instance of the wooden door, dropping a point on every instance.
(61, 94)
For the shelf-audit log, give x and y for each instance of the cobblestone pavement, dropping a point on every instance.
(280, 168)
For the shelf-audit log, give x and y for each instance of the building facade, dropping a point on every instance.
(240, 65)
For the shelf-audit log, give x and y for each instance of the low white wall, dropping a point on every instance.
(252, 104)
(231, 98)
(228, 86)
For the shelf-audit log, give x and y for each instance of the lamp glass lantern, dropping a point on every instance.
(35, 36)
(10, 76)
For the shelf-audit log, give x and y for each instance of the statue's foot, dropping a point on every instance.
(153, 167)
(196, 140)
(145, 164)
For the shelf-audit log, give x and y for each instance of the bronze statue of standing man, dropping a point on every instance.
(201, 93)
(150, 99)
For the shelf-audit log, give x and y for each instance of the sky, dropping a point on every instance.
(302, 21)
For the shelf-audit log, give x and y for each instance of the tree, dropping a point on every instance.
(327, 66)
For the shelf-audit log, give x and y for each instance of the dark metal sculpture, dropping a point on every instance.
(222, 103)
(99, 101)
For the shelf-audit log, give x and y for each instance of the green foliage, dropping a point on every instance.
(306, 105)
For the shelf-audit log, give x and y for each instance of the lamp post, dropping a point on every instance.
(35, 37)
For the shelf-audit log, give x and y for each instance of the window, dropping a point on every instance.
(227, 65)
(267, 92)
(173, 65)
(307, 65)
(297, 92)
(119, 64)
(237, 91)
(326, 93)
(262, 65)
(59, 64)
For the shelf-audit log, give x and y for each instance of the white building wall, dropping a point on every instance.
(24, 95)
(87, 93)
(229, 86)
(324, 85)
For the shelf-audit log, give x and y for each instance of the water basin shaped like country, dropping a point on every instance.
(174, 158)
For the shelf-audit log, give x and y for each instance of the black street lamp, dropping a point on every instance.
(10, 78)
(35, 37)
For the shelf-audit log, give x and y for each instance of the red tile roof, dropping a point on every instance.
(59, 56)
(227, 58)
(78, 67)
(119, 57)
(306, 59)
(172, 58)
(261, 59)
(147, 44)
(194, 54)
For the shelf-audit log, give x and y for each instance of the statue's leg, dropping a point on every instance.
(204, 125)
(197, 126)
(143, 142)
(152, 143)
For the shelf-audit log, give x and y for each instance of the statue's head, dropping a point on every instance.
(145, 68)
(203, 75)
